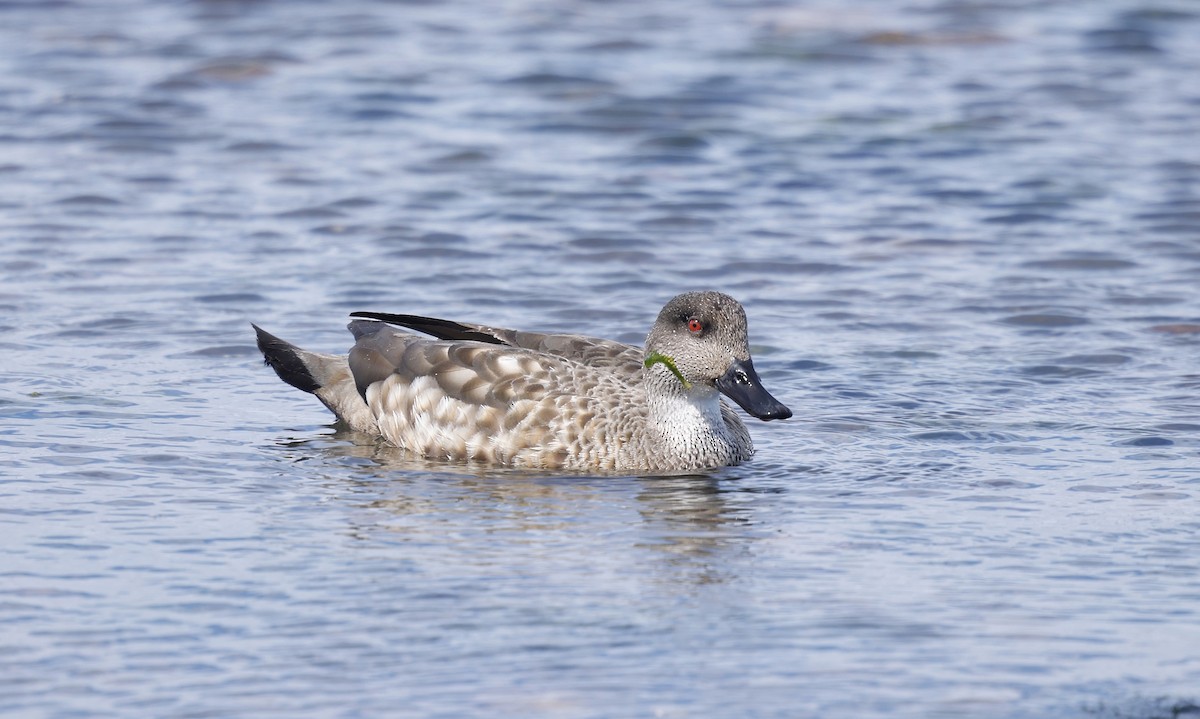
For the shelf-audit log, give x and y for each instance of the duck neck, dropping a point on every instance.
(685, 417)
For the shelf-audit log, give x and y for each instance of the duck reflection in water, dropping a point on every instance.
(690, 531)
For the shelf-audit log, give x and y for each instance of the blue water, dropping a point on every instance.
(967, 236)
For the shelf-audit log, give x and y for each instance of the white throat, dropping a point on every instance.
(690, 421)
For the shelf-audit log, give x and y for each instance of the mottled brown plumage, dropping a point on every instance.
(547, 401)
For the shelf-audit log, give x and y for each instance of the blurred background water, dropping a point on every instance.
(967, 235)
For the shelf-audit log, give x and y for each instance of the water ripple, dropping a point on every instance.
(965, 237)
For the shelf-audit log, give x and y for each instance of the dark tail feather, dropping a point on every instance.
(284, 358)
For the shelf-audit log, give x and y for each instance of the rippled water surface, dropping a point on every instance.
(967, 236)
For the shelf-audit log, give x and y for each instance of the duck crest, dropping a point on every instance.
(548, 401)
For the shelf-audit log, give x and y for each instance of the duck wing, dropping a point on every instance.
(591, 351)
(487, 401)
(474, 372)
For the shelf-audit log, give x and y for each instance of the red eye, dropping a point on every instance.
(695, 326)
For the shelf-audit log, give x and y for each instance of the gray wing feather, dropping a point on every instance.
(590, 351)
(474, 372)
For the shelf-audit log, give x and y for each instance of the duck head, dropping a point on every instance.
(701, 338)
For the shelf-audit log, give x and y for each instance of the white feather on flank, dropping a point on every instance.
(419, 416)
(509, 366)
